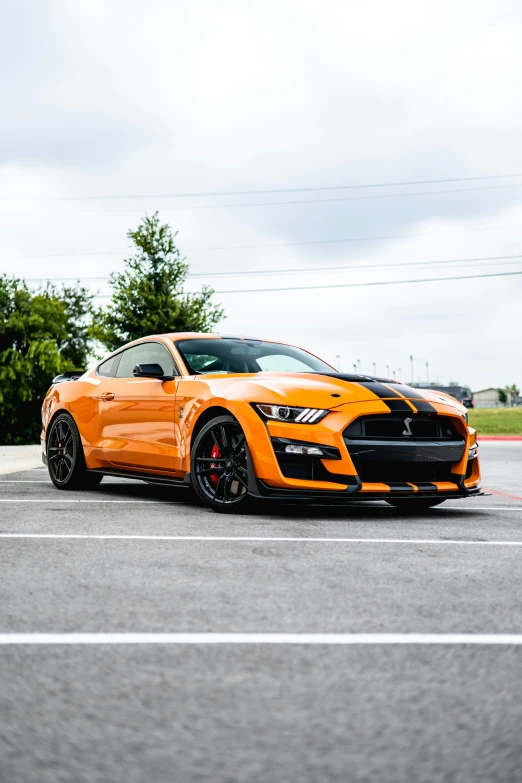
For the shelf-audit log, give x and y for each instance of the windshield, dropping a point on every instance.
(246, 356)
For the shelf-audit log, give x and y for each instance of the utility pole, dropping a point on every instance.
(411, 360)
(387, 370)
(355, 367)
(427, 373)
(374, 370)
(359, 366)
(393, 374)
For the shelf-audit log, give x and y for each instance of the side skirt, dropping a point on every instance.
(130, 474)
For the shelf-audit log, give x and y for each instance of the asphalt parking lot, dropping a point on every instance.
(176, 686)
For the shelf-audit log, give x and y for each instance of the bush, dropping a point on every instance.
(42, 333)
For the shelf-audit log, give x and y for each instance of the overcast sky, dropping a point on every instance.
(108, 98)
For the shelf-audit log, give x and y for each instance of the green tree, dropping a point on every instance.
(148, 296)
(42, 333)
(502, 396)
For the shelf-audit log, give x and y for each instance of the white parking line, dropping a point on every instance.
(75, 500)
(256, 539)
(49, 483)
(261, 638)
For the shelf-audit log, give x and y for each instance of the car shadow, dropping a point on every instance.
(273, 510)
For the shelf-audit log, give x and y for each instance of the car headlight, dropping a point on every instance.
(293, 415)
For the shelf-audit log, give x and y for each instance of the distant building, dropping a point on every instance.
(490, 398)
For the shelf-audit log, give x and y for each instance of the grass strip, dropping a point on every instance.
(496, 421)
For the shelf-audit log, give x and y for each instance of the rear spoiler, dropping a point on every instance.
(70, 375)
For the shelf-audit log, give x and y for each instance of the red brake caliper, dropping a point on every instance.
(214, 453)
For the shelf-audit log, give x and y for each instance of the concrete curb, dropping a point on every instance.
(15, 458)
(499, 437)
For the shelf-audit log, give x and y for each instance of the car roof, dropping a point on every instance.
(175, 336)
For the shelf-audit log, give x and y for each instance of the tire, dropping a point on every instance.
(414, 505)
(219, 466)
(66, 461)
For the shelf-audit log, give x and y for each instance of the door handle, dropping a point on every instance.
(107, 396)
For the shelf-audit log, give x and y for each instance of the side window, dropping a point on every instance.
(108, 368)
(146, 353)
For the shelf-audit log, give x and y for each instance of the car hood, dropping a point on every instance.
(318, 390)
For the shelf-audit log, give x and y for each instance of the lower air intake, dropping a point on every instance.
(408, 472)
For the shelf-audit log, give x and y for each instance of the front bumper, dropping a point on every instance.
(338, 479)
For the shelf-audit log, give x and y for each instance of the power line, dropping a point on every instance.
(358, 285)
(241, 273)
(351, 285)
(349, 266)
(212, 193)
(285, 203)
(381, 238)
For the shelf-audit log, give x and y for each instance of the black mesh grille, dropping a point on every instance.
(431, 427)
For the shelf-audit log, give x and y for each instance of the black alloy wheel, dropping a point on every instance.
(60, 450)
(65, 458)
(413, 505)
(219, 468)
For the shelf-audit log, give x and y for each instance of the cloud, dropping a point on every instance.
(122, 97)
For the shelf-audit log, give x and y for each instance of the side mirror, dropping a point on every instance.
(151, 371)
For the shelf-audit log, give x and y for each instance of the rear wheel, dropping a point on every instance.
(219, 465)
(414, 504)
(66, 461)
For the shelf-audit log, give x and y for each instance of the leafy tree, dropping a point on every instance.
(502, 396)
(42, 333)
(148, 296)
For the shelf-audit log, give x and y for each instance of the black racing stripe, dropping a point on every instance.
(407, 391)
(351, 378)
(399, 405)
(396, 487)
(379, 389)
(426, 487)
(424, 407)
(390, 390)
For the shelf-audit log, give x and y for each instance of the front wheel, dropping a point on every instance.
(412, 505)
(219, 465)
(65, 458)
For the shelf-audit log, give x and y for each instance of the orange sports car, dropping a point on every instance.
(242, 419)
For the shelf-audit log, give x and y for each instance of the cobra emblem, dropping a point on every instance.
(407, 423)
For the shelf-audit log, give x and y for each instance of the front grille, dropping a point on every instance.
(414, 448)
(388, 471)
(431, 427)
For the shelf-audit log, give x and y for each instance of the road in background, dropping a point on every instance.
(259, 712)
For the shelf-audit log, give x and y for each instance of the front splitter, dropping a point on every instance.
(352, 494)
